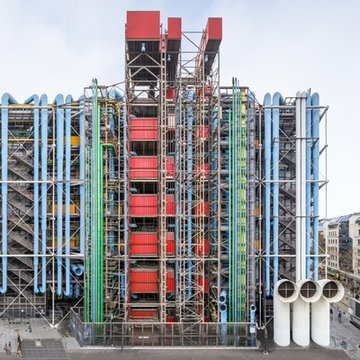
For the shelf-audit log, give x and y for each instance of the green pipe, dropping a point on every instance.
(233, 204)
(97, 212)
(88, 272)
(242, 223)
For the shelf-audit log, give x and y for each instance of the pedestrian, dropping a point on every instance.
(339, 315)
(6, 349)
(18, 352)
(19, 340)
(9, 347)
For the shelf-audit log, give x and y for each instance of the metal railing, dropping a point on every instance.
(156, 334)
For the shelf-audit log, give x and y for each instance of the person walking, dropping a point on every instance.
(18, 352)
(6, 349)
(339, 315)
(9, 347)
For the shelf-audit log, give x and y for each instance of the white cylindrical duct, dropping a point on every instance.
(332, 292)
(300, 216)
(285, 292)
(309, 292)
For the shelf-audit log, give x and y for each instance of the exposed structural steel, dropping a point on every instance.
(164, 210)
(42, 204)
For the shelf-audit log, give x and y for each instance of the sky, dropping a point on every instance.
(52, 46)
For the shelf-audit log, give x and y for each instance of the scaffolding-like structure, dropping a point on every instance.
(42, 202)
(162, 210)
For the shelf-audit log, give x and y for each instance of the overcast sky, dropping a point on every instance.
(58, 46)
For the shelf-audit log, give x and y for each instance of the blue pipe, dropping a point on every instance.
(59, 100)
(114, 94)
(35, 99)
(236, 137)
(252, 313)
(44, 141)
(190, 122)
(77, 269)
(316, 154)
(223, 321)
(275, 177)
(223, 296)
(267, 145)
(82, 174)
(69, 100)
(253, 324)
(6, 100)
(308, 184)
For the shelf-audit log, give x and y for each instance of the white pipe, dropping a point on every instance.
(300, 187)
(332, 292)
(285, 292)
(309, 292)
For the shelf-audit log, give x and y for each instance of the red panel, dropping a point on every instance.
(202, 248)
(143, 129)
(202, 131)
(144, 281)
(170, 243)
(170, 281)
(143, 167)
(143, 25)
(203, 282)
(146, 243)
(143, 314)
(170, 205)
(203, 170)
(143, 205)
(174, 28)
(143, 243)
(170, 166)
(170, 319)
(202, 208)
(214, 28)
(171, 93)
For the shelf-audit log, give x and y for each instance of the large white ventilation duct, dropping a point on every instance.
(309, 292)
(285, 293)
(332, 292)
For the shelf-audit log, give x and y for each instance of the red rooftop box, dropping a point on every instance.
(174, 28)
(214, 28)
(143, 25)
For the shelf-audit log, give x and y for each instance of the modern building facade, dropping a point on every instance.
(342, 243)
(164, 210)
